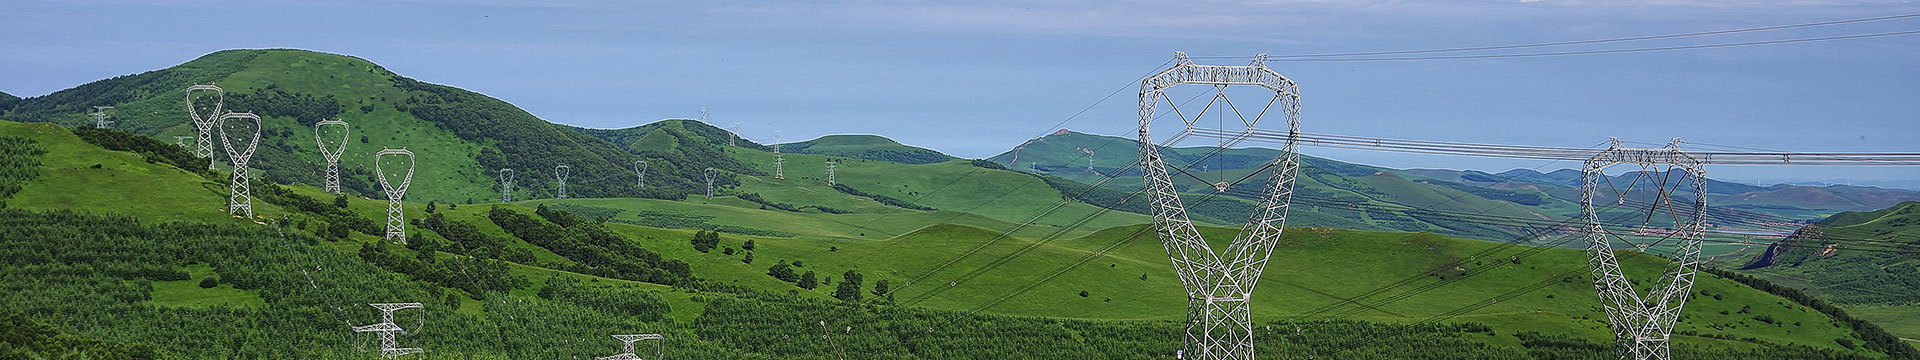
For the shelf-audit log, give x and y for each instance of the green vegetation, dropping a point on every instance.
(112, 246)
(868, 147)
(1833, 260)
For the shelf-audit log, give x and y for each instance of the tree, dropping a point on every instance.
(705, 241)
(340, 201)
(849, 289)
(728, 251)
(809, 280)
(748, 259)
(781, 271)
(430, 206)
(209, 282)
(1083, 293)
(748, 245)
(880, 287)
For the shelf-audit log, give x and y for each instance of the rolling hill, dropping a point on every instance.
(1413, 280)
(1845, 259)
(867, 147)
(461, 138)
(106, 247)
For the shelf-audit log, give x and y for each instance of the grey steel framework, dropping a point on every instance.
(332, 155)
(1643, 322)
(100, 117)
(1219, 324)
(506, 185)
(389, 347)
(830, 167)
(640, 168)
(181, 141)
(396, 219)
(735, 138)
(240, 192)
(626, 349)
(560, 173)
(779, 162)
(204, 119)
(710, 174)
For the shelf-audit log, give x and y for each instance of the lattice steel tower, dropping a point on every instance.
(240, 191)
(1643, 322)
(1219, 285)
(332, 155)
(205, 117)
(710, 174)
(506, 185)
(640, 169)
(779, 161)
(389, 347)
(560, 173)
(626, 349)
(100, 117)
(830, 167)
(396, 219)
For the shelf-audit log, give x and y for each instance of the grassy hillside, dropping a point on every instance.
(1838, 260)
(868, 147)
(113, 254)
(461, 138)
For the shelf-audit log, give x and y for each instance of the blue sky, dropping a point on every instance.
(973, 79)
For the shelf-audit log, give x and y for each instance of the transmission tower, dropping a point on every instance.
(710, 174)
(204, 118)
(181, 141)
(1089, 160)
(779, 161)
(561, 172)
(506, 185)
(731, 140)
(100, 117)
(830, 167)
(640, 168)
(1218, 284)
(332, 155)
(389, 348)
(396, 224)
(240, 192)
(828, 336)
(1642, 322)
(626, 349)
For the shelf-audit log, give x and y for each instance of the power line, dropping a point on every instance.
(1596, 41)
(1607, 51)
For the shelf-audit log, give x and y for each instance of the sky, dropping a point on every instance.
(975, 78)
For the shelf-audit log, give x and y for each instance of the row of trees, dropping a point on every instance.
(591, 247)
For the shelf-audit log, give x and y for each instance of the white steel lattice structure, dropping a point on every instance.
(779, 162)
(1218, 284)
(100, 117)
(386, 329)
(332, 155)
(640, 169)
(181, 141)
(710, 174)
(396, 219)
(240, 191)
(626, 349)
(205, 117)
(506, 185)
(560, 173)
(830, 168)
(735, 138)
(1643, 322)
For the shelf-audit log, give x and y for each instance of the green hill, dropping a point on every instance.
(461, 138)
(7, 101)
(868, 147)
(1853, 259)
(290, 288)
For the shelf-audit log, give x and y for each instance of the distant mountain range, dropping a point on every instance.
(1524, 193)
